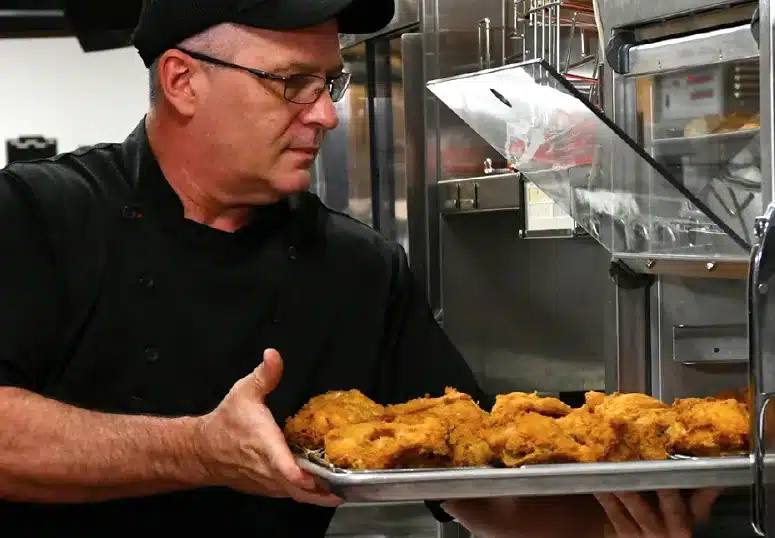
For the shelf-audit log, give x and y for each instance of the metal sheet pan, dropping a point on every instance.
(569, 479)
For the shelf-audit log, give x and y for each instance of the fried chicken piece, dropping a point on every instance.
(426, 403)
(642, 422)
(598, 434)
(463, 419)
(533, 439)
(510, 406)
(742, 396)
(709, 427)
(323, 413)
(389, 445)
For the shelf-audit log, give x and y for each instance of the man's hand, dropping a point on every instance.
(673, 516)
(242, 447)
(581, 516)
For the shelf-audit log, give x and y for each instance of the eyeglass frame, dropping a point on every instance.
(327, 81)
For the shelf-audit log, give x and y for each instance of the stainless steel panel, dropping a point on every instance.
(692, 302)
(627, 369)
(527, 315)
(687, 268)
(478, 194)
(417, 210)
(619, 13)
(767, 96)
(388, 148)
(709, 48)
(704, 344)
(499, 193)
(407, 14)
(345, 154)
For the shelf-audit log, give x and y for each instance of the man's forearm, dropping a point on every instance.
(53, 452)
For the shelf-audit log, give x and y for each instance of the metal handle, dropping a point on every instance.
(759, 498)
(485, 61)
(757, 291)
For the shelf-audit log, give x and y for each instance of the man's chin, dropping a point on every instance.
(296, 181)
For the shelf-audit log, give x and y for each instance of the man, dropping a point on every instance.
(142, 279)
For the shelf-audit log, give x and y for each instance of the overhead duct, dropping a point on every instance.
(31, 18)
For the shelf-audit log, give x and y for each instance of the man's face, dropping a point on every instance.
(269, 143)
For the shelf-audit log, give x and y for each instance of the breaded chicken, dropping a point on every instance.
(595, 432)
(323, 413)
(532, 439)
(509, 406)
(427, 403)
(389, 445)
(640, 420)
(709, 427)
(463, 419)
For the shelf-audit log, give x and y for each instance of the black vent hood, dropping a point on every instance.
(98, 25)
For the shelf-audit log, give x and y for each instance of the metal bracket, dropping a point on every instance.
(617, 51)
(626, 278)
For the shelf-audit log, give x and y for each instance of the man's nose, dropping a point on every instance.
(322, 112)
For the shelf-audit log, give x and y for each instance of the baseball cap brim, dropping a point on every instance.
(352, 16)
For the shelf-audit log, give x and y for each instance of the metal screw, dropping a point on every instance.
(710, 266)
(760, 224)
(763, 288)
(650, 264)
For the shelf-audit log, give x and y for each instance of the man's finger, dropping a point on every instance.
(620, 520)
(320, 499)
(642, 513)
(675, 513)
(701, 503)
(267, 375)
(281, 461)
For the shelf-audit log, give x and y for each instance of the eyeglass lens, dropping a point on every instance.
(306, 89)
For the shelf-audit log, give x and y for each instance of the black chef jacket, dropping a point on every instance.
(111, 300)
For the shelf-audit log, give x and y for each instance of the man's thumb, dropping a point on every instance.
(267, 375)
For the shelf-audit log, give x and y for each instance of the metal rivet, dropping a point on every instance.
(151, 354)
(650, 264)
(130, 212)
(763, 288)
(710, 266)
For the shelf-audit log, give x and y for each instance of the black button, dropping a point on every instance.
(292, 254)
(130, 212)
(146, 282)
(151, 354)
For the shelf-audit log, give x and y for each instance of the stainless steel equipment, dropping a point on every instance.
(657, 143)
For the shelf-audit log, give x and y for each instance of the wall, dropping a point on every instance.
(49, 86)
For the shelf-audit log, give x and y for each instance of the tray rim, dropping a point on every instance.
(346, 478)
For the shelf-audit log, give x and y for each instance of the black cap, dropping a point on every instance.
(165, 23)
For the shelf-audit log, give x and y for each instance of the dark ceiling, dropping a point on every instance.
(99, 25)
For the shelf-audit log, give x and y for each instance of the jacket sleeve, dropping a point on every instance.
(30, 295)
(417, 356)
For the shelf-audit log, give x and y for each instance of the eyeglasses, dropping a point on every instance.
(300, 89)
